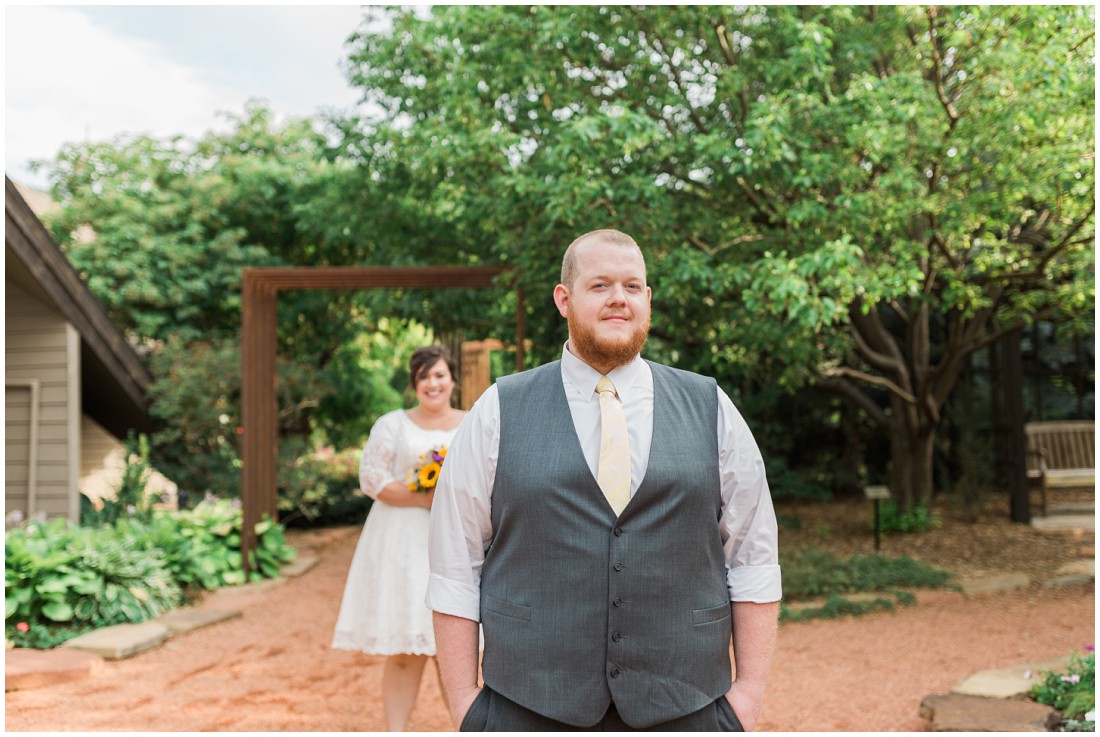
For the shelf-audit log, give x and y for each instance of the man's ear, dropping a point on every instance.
(561, 299)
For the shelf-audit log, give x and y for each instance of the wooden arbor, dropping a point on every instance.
(259, 292)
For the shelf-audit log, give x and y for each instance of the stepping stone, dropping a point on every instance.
(998, 582)
(957, 713)
(299, 565)
(185, 620)
(253, 588)
(1078, 567)
(1076, 572)
(1077, 524)
(120, 640)
(1008, 683)
(25, 668)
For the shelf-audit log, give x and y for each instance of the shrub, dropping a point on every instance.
(813, 573)
(62, 580)
(317, 490)
(917, 519)
(131, 498)
(1073, 693)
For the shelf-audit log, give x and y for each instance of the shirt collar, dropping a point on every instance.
(583, 377)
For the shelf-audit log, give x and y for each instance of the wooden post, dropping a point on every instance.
(1013, 384)
(258, 407)
(477, 372)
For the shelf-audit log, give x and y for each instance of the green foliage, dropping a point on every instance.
(80, 578)
(195, 402)
(41, 581)
(788, 521)
(813, 186)
(836, 606)
(161, 230)
(131, 498)
(786, 483)
(1074, 692)
(892, 519)
(854, 196)
(811, 573)
(322, 489)
(62, 580)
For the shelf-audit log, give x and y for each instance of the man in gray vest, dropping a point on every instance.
(608, 522)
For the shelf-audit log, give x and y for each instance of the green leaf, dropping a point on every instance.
(58, 611)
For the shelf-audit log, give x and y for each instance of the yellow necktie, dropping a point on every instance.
(613, 473)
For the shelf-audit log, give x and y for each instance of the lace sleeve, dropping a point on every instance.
(376, 464)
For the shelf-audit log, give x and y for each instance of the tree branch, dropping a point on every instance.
(857, 397)
(851, 373)
(937, 71)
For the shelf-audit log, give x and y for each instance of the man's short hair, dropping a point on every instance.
(569, 261)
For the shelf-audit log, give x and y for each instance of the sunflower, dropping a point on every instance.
(429, 474)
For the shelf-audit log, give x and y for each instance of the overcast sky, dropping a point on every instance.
(91, 72)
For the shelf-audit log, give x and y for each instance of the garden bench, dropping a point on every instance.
(1060, 455)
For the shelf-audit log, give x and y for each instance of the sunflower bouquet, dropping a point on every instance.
(422, 477)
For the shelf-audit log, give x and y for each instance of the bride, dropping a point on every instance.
(383, 611)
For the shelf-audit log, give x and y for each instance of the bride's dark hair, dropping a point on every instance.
(424, 358)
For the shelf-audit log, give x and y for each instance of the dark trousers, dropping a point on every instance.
(491, 712)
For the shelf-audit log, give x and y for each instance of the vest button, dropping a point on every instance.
(618, 532)
(618, 602)
(616, 637)
(614, 672)
(618, 566)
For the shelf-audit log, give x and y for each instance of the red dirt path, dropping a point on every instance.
(272, 669)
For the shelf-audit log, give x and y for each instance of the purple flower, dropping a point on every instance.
(1089, 649)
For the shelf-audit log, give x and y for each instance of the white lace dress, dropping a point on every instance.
(383, 609)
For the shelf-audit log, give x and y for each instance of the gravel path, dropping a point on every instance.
(272, 670)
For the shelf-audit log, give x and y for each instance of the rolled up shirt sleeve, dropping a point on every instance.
(461, 525)
(750, 536)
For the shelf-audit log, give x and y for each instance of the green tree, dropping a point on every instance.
(855, 197)
(161, 230)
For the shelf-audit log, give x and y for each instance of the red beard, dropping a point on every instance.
(605, 354)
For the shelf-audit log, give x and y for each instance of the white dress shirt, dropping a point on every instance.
(461, 526)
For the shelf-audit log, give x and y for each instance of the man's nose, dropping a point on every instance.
(617, 294)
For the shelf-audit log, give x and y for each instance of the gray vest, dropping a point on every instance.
(579, 608)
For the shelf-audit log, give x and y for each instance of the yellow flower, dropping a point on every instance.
(442, 451)
(429, 474)
(412, 486)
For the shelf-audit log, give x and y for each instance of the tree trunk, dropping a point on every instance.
(911, 465)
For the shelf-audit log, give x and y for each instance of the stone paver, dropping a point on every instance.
(120, 640)
(25, 668)
(299, 565)
(997, 582)
(179, 621)
(1007, 683)
(252, 588)
(958, 713)
(1072, 523)
(1072, 574)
